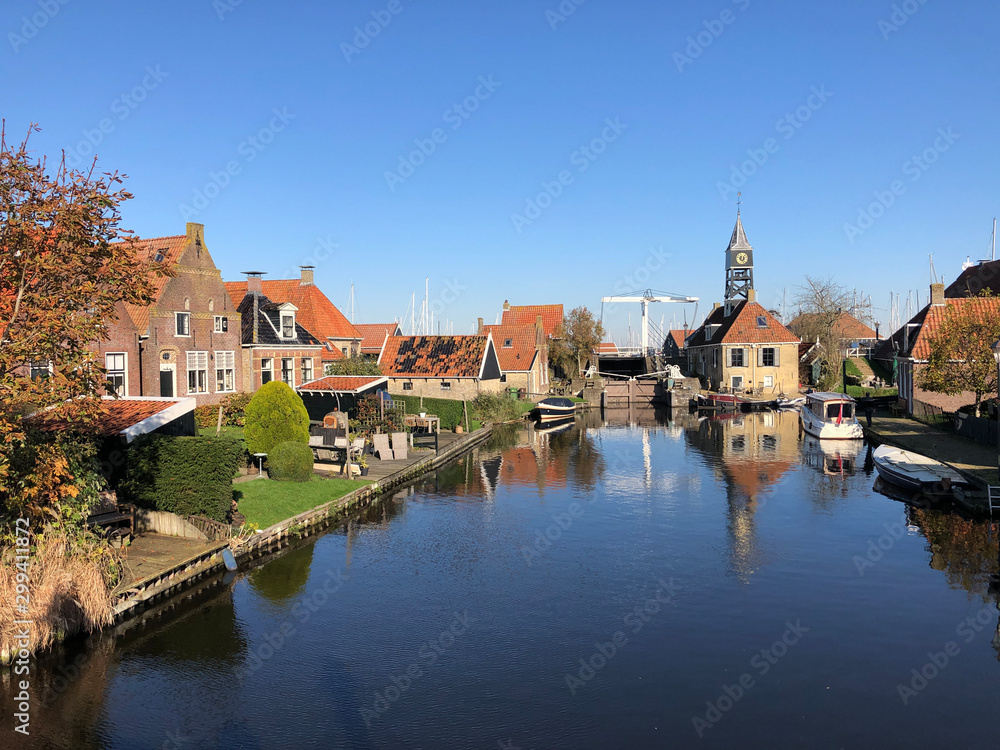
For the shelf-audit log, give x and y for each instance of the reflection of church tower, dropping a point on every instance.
(739, 266)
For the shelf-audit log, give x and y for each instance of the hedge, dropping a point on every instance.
(448, 410)
(189, 476)
(275, 414)
(290, 462)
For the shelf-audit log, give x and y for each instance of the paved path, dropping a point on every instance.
(976, 461)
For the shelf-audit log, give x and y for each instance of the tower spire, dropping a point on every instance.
(739, 263)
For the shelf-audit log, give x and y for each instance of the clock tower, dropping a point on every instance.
(739, 266)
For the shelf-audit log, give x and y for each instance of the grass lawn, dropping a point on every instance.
(265, 502)
(858, 392)
(232, 432)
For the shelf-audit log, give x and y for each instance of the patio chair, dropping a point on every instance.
(399, 444)
(381, 443)
(357, 447)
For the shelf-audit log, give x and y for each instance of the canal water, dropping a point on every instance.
(636, 580)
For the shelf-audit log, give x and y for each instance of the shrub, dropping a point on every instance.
(448, 410)
(189, 476)
(206, 416)
(290, 462)
(495, 407)
(234, 407)
(275, 415)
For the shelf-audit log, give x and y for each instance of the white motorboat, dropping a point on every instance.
(831, 416)
(790, 403)
(915, 472)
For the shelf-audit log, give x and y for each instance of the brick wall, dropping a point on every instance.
(255, 356)
(462, 389)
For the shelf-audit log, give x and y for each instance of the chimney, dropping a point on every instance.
(506, 305)
(195, 232)
(254, 282)
(937, 294)
(751, 295)
(480, 329)
(306, 278)
(539, 330)
(716, 306)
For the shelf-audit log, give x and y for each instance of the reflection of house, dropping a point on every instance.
(855, 337)
(275, 345)
(373, 336)
(523, 354)
(911, 345)
(316, 312)
(186, 342)
(457, 367)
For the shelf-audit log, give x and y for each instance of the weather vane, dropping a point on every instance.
(739, 201)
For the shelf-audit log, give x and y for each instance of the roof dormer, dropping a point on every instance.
(286, 320)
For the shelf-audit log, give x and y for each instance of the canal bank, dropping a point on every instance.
(975, 461)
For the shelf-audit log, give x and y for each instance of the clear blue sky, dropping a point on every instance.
(322, 176)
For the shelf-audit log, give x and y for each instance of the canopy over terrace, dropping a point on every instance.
(337, 392)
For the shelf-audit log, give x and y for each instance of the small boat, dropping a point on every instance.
(554, 409)
(830, 416)
(790, 403)
(915, 472)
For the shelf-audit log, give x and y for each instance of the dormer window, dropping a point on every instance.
(508, 343)
(761, 321)
(287, 326)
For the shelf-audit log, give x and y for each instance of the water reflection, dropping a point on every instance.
(284, 578)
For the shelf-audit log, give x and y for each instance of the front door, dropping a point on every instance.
(167, 383)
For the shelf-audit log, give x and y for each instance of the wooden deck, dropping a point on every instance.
(379, 470)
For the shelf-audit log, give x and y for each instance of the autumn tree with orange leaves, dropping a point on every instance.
(65, 265)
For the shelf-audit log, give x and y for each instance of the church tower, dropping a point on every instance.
(739, 267)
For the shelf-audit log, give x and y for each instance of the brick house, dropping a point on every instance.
(315, 312)
(275, 344)
(748, 348)
(456, 367)
(187, 340)
(373, 336)
(911, 347)
(856, 338)
(523, 355)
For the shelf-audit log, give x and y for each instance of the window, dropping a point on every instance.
(769, 381)
(407, 386)
(508, 343)
(225, 372)
(736, 358)
(445, 385)
(221, 324)
(768, 357)
(288, 370)
(160, 255)
(183, 324)
(307, 369)
(39, 370)
(737, 382)
(266, 370)
(715, 358)
(197, 369)
(762, 321)
(115, 366)
(288, 326)
(343, 350)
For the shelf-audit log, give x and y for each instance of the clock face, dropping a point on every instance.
(742, 258)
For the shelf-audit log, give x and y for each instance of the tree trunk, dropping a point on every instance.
(979, 397)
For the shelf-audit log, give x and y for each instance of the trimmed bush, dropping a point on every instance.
(275, 415)
(494, 407)
(448, 410)
(290, 462)
(189, 476)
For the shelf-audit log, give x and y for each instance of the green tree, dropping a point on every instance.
(575, 338)
(275, 415)
(961, 357)
(354, 366)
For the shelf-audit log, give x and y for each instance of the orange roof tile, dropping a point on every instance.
(342, 383)
(166, 250)
(846, 326)
(678, 337)
(520, 355)
(552, 316)
(742, 327)
(317, 313)
(373, 335)
(434, 356)
(983, 308)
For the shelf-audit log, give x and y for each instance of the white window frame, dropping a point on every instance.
(225, 372)
(282, 317)
(221, 324)
(269, 369)
(732, 382)
(186, 317)
(769, 381)
(302, 368)
(197, 363)
(290, 370)
(407, 386)
(774, 351)
(123, 370)
(732, 357)
(445, 385)
(40, 369)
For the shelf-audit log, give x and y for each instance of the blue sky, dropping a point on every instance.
(302, 124)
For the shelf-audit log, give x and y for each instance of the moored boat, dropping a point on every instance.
(915, 472)
(555, 409)
(831, 416)
(790, 403)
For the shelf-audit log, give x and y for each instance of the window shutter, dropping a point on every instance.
(777, 356)
(760, 358)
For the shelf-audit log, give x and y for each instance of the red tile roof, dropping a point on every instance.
(742, 327)
(933, 316)
(607, 347)
(373, 335)
(342, 383)
(524, 315)
(118, 415)
(166, 250)
(317, 313)
(846, 326)
(678, 337)
(520, 355)
(434, 356)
